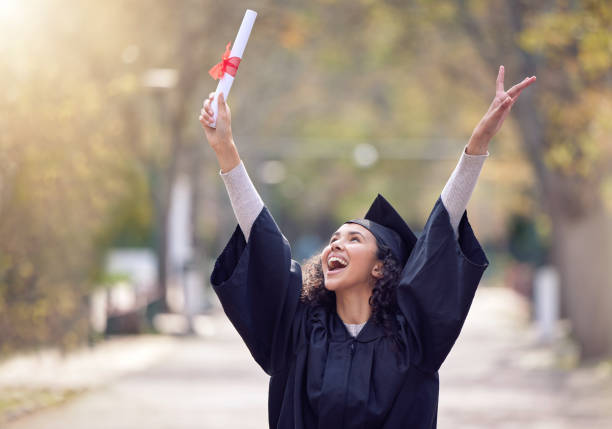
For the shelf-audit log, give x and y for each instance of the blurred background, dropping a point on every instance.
(112, 210)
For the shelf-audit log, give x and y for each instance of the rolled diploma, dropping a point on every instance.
(225, 83)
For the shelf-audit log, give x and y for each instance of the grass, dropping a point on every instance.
(18, 402)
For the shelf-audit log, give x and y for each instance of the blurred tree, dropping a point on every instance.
(64, 154)
(524, 242)
(83, 139)
(564, 125)
(361, 69)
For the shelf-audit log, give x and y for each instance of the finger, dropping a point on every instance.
(221, 104)
(499, 84)
(209, 99)
(516, 96)
(206, 114)
(206, 119)
(208, 107)
(507, 102)
(516, 89)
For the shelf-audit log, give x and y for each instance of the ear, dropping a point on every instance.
(377, 270)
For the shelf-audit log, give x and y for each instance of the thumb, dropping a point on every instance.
(221, 103)
(503, 106)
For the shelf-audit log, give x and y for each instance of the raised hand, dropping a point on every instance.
(498, 110)
(220, 138)
(221, 135)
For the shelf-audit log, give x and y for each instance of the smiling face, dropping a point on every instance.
(350, 259)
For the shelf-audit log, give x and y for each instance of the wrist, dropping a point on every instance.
(227, 156)
(477, 147)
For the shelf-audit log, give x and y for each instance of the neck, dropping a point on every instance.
(353, 305)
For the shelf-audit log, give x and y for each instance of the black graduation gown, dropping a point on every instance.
(322, 377)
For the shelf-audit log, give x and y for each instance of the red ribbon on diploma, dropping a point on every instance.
(227, 65)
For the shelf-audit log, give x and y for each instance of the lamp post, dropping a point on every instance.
(160, 81)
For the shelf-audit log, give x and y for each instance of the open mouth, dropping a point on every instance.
(336, 265)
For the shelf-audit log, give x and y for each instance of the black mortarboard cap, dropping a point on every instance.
(385, 223)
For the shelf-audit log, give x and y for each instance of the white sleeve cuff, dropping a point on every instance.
(460, 185)
(245, 199)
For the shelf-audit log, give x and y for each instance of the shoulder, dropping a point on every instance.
(316, 319)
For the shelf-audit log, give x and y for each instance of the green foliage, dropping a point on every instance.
(525, 244)
(131, 220)
(82, 138)
(576, 43)
(64, 153)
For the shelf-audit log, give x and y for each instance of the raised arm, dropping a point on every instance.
(257, 282)
(458, 189)
(245, 199)
(440, 278)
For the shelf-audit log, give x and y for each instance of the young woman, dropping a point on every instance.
(355, 338)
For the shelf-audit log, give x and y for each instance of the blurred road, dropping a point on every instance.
(209, 382)
(495, 377)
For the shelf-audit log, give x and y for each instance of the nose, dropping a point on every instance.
(336, 245)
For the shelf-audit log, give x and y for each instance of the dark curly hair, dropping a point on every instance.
(383, 299)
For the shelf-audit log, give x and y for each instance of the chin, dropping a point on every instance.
(334, 284)
(330, 286)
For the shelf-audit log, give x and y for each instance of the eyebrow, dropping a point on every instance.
(348, 233)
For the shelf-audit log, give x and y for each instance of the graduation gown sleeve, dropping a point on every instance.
(437, 286)
(259, 286)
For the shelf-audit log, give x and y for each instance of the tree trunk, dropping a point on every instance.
(581, 239)
(582, 255)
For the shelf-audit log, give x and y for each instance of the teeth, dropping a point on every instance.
(335, 258)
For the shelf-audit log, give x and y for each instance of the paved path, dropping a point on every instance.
(495, 377)
(202, 383)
